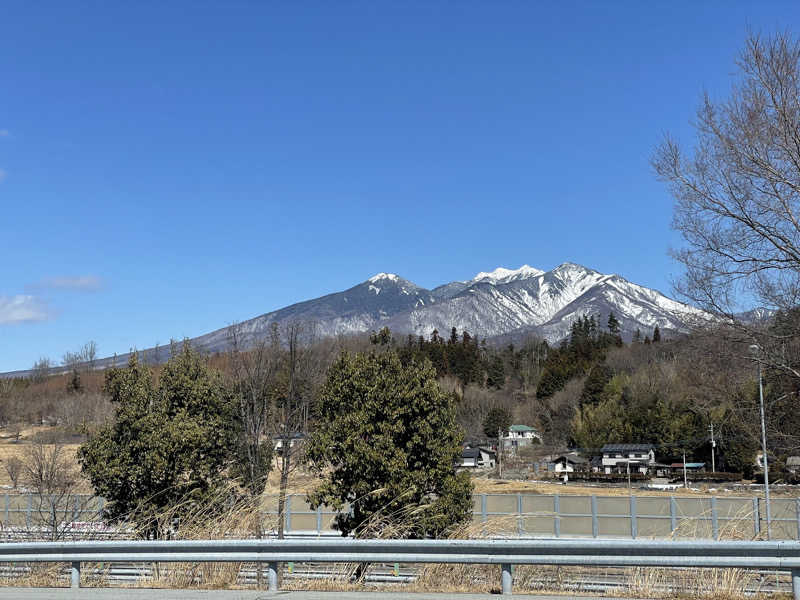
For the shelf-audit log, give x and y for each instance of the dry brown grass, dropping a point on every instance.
(484, 485)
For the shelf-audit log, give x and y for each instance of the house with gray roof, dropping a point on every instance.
(477, 458)
(624, 458)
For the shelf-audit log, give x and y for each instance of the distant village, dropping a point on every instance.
(520, 447)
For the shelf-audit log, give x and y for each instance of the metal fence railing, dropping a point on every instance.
(524, 515)
(597, 516)
(600, 553)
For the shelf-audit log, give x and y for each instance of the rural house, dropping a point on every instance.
(519, 436)
(477, 458)
(618, 458)
(569, 463)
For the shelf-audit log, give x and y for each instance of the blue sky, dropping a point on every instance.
(169, 168)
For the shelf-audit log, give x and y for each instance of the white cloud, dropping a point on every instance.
(79, 283)
(22, 308)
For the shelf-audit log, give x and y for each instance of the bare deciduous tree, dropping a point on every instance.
(85, 356)
(41, 369)
(738, 196)
(302, 370)
(48, 472)
(13, 466)
(254, 370)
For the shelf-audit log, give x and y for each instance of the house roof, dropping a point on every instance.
(573, 458)
(470, 453)
(521, 428)
(626, 448)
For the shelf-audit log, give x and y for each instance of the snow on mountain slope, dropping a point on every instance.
(635, 307)
(501, 304)
(505, 301)
(363, 307)
(502, 275)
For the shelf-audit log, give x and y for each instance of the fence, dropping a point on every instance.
(531, 515)
(525, 515)
(600, 553)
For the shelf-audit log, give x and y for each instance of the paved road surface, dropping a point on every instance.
(146, 594)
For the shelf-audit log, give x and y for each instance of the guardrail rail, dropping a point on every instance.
(780, 555)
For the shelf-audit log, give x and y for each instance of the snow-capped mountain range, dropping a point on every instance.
(497, 304)
(504, 304)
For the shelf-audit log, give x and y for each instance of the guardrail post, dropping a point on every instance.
(272, 576)
(484, 514)
(634, 522)
(595, 524)
(796, 583)
(319, 520)
(797, 515)
(714, 520)
(557, 517)
(756, 516)
(287, 513)
(8, 501)
(75, 575)
(520, 524)
(506, 579)
(673, 515)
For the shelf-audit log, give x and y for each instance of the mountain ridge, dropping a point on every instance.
(497, 305)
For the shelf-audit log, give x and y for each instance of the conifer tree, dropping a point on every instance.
(656, 335)
(385, 446)
(613, 324)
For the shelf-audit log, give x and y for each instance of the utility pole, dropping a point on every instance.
(765, 461)
(756, 350)
(713, 445)
(628, 465)
(500, 453)
(685, 480)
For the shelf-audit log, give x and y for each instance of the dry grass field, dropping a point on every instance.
(301, 481)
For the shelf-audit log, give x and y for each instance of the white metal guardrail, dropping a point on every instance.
(783, 556)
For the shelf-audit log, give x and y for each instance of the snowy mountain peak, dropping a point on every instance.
(383, 276)
(503, 275)
(571, 267)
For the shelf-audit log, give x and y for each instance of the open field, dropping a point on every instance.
(302, 481)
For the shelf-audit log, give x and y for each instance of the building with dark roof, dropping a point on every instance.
(624, 458)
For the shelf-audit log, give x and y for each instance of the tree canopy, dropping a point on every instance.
(497, 420)
(385, 444)
(169, 441)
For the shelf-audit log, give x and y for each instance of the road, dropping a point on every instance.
(159, 594)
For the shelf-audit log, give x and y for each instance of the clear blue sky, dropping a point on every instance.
(171, 167)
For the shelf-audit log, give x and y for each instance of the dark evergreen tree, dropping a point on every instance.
(74, 384)
(656, 335)
(613, 324)
(594, 386)
(385, 448)
(496, 375)
(497, 420)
